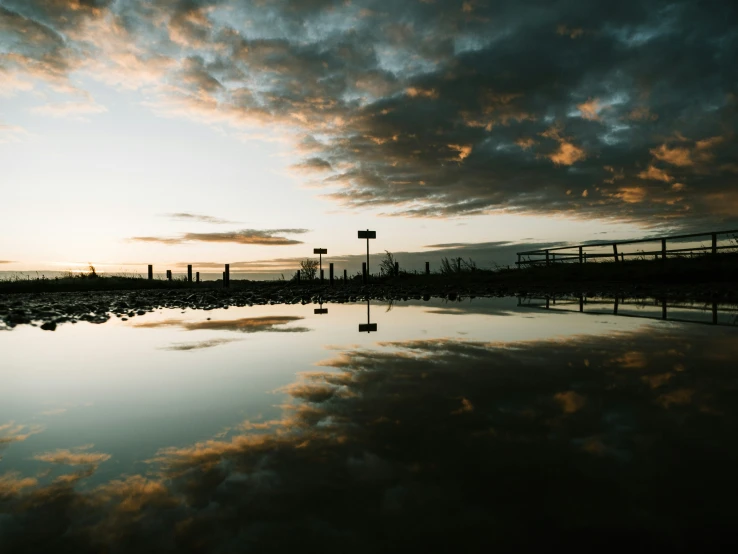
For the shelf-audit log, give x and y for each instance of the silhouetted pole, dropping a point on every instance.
(321, 276)
(615, 251)
(427, 266)
(227, 276)
(320, 252)
(345, 276)
(298, 275)
(151, 273)
(663, 308)
(714, 243)
(367, 235)
(169, 274)
(197, 276)
(330, 271)
(189, 273)
(397, 268)
(663, 249)
(547, 262)
(714, 313)
(363, 271)
(581, 255)
(581, 303)
(615, 308)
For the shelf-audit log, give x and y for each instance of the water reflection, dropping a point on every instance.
(243, 325)
(596, 442)
(649, 308)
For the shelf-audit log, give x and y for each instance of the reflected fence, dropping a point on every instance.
(653, 308)
(654, 248)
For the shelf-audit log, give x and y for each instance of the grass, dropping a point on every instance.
(722, 268)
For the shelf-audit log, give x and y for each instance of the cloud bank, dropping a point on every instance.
(621, 111)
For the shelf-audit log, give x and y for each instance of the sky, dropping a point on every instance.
(170, 132)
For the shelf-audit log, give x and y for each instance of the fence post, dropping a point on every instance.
(189, 273)
(427, 266)
(227, 280)
(169, 274)
(345, 275)
(663, 308)
(151, 272)
(714, 243)
(330, 271)
(581, 255)
(363, 271)
(615, 251)
(547, 262)
(581, 303)
(663, 249)
(197, 276)
(397, 268)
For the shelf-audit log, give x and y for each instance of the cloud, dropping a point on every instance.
(425, 109)
(199, 345)
(69, 109)
(243, 325)
(184, 216)
(246, 236)
(73, 457)
(6, 262)
(11, 133)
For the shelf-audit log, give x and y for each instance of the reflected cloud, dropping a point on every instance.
(73, 456)
(199, 345)
(264, 324)
(387, 443)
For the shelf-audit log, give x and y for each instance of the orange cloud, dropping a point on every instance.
(656, 174)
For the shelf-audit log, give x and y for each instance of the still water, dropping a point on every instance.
(492, 423)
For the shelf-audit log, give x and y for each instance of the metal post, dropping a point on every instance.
(547, 262)
(197, 276)
(330, 272)
(581, 303)
(427, 266)
(581, 255)
(321, 276)
(397, 268)
(151, 272)
(363, 270)
(227, 280)
(663, 309)
(615, 251)
(189, 273)
(367, 257)
(169, 274)
(714, 243)
(345, 276)
(663, 249)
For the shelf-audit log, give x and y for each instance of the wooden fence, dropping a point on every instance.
(719, 241)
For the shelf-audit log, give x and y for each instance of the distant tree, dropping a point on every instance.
(309, 268)
(387, 265)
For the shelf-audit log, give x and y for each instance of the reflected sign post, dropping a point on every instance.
(320, 252)
(367, 327)
(367, 235)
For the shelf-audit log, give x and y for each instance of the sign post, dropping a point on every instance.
(368, 327)
(320, 310)
(367, 235)
(320, 252)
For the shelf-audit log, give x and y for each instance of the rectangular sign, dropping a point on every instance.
(367, 234)
(320, 250)
(320, 311)
(367, 327)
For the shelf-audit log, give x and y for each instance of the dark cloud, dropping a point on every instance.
(6, 262)
(184, 216)
(620, 111)
(590, 442)
(246, 236)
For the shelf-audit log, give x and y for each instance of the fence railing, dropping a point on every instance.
(719, 241)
